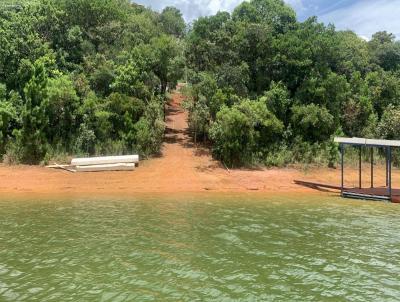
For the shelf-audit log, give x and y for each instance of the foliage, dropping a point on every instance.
(63, 103)
(84, 77)
(313, 122)
(31, 137)
(278, 100)
(7, 117)
(315, 80)
(241, 131)
(150, 129)
(385, 50)
(172, 21)
(91, 77)
(169, 64)
(389, 126)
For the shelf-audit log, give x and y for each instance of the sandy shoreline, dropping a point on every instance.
(182, 168)
(38, 182)
(27, 180)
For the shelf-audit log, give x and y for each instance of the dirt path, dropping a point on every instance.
(181, 168)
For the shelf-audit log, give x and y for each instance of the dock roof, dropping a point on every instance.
(367, 142)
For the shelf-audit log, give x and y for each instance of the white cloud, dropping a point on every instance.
(367, 17)
(192, 9)
(298, 5)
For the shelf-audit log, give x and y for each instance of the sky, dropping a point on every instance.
(365, 17)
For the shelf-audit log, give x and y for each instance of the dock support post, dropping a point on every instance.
(372, 167)
(390, 173)
(387, 166)
(342, 164)
(359, 168)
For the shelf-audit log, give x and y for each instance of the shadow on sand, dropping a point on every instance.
(318, 186)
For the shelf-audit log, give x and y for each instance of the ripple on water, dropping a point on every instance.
(213, 250)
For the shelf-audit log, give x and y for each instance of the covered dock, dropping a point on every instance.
(387, 193)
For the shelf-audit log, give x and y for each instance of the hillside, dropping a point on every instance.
(91, 77)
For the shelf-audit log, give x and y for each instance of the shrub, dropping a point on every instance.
(389, 126)
(241, 131)
(85, 141)
(7, 116)
(150, 130)
(313, 122)
(31, 138)
(62, 110)
(278, 100)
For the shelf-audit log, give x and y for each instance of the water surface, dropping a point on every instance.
(200, 249)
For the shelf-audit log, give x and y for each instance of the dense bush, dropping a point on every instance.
(313, 123)
(150, 129)
(243, 132)
(389, 126)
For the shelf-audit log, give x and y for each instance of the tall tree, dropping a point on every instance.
(34, 120)
(172, 21)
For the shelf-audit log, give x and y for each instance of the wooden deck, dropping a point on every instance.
(379, 193)
(373, 193)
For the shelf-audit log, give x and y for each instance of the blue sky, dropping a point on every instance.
(365, 17)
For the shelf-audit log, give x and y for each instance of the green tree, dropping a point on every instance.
(172, 21)
(241, 131)
(199, 118)
(330, 91)
(18, 41)
(150, 129)
(389, 126)
(169, 62)
(273, 12)
(383, 89)
(31, 138)
(385, 50)
(125, 113)
(278, 101)
(62, 107)
(354, 54)
(313, 122)
(128, 81)
(102, 74)
(8, 115)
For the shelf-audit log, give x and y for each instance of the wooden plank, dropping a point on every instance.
(105, 160)
(57, 166)
(107, 167)
(62, 167)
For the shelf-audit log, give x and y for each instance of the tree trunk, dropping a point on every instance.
(164, 87)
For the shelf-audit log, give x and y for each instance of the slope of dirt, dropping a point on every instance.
(181, 168)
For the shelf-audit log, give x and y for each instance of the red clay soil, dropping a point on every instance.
(182, 167)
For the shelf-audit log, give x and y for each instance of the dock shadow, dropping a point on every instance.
(318, 186)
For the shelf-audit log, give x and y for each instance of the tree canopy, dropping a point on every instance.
(85, 77)
(316, 81)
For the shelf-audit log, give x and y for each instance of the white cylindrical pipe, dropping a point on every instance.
(105, 160)
(108, 167)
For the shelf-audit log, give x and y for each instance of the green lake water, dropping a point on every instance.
(200, 249)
